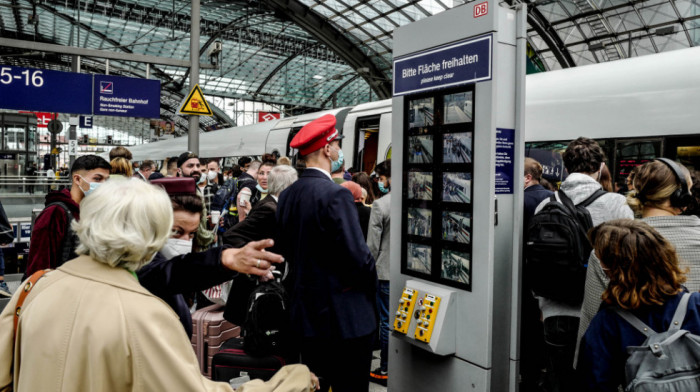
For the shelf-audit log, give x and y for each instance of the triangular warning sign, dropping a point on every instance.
(196, 104)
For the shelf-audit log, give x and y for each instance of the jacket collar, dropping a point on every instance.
(87, 268)
(316, 173)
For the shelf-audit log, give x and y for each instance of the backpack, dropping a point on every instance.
(666, 361)
(70, 239)
(557, 248)
(267, 326)
(223, 194)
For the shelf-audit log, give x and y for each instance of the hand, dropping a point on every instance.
(315, 384)
(251, 259)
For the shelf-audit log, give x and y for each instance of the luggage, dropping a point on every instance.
(209, 332)
(232, 362)
(666, 361)
(557, 248)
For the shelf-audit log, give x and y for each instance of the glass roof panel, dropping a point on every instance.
(658, 13)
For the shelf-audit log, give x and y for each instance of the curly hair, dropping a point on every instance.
(642, 265)
(583, 155)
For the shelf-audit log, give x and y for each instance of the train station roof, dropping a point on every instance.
(313, 54)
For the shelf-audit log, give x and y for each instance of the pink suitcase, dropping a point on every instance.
(209, 332)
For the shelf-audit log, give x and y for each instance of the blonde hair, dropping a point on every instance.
(124, 223)
(121, 166)
(654, 183)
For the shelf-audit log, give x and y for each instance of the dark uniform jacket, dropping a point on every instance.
(260, 224)
(533, 197)
(333, 278)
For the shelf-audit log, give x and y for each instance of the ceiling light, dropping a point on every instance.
(318, 77)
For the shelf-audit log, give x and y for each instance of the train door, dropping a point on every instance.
(366, 144)
(684, 149)
(634, 152)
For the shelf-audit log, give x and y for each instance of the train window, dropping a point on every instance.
(366, 143)
(631, 153)
(684, 149)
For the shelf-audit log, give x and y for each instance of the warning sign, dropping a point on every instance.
(196, 104)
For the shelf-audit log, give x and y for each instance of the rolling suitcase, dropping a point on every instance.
(232, 362)
(209, 332)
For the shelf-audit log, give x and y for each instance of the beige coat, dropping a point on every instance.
(91, 327)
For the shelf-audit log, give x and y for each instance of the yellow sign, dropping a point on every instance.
(196, 104)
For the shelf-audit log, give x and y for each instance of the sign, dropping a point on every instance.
(456, 64)
(45, 90)
(72, 147)
(481, 9)
(8, 156)
(69, 92)
(196, 104)
(55, 126)
(268, 116)
(505, 154)
(86, 122)
(126, 97)
(25, 231)
(42, 118)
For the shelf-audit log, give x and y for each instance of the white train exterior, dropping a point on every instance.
(654, 96)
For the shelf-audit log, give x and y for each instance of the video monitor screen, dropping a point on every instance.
(421, 112)
(456, 266)
(459, 107)
(456, 187)
(420, 185)
(457, 147)
(456, 226)
(420, 149)
(419, 258)
(420, 222)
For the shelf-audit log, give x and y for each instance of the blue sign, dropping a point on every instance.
(452, 65)
(86, 122)
(129, 97)
(45, 90)
(505, 154)
(25, 231)
(76, 93)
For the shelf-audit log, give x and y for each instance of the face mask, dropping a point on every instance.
(211, 175)
(136, 170)
(381, 187)
(201, 180)
(258, 187)
(93, 186)
(176, 247)
(336, 165)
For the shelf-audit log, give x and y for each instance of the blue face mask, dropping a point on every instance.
(336, 165)
(382, 189)
(258, 187)
(93, 186)
(202, 179)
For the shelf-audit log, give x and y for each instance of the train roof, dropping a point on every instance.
(644, 96)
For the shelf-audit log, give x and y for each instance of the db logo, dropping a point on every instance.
(481, 9)
(268, 117)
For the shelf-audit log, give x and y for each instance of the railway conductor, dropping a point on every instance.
(333, 278)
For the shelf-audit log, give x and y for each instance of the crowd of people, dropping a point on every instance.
(645, 256)
(130, 250)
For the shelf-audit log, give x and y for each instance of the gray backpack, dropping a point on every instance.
(667, 361)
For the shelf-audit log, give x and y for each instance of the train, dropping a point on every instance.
(637, 109)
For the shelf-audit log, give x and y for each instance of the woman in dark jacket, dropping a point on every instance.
(362, 210)
(176, 270)
(645, 279)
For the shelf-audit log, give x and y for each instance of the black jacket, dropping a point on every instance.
(260, 224)
(168, 279)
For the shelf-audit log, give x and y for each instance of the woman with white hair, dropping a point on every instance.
(261, 221)
(90, 325)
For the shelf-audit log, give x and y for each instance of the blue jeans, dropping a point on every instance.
(383, 306)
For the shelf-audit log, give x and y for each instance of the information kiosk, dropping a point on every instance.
(457, 204)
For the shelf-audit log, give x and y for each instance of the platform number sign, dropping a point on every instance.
(481, 9)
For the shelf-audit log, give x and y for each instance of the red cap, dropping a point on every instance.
(175, 186)
(315, 135)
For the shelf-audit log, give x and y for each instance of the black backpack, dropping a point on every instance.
(266, 329)
(557, 248)
(224, 193)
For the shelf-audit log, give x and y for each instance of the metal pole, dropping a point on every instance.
(193, 138)
(72, 131)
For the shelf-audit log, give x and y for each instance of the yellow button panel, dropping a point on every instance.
(403, 315)
(427, 313)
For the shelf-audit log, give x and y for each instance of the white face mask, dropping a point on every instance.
(176, 247)
(211, 175)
